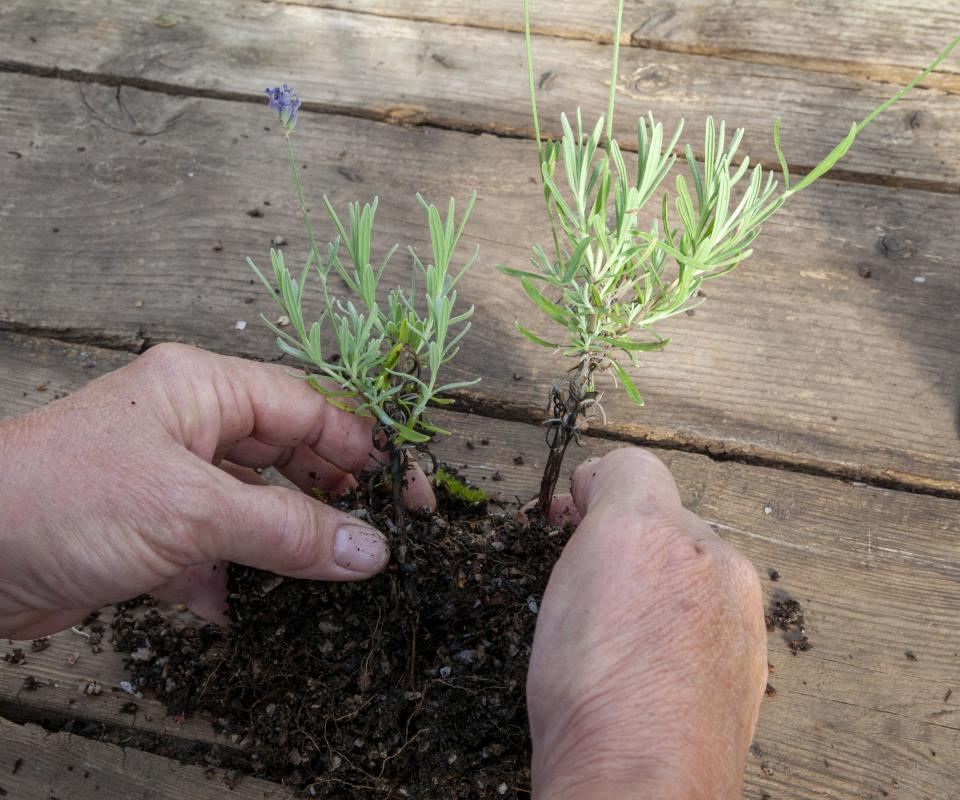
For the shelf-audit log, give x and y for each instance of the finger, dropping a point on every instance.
(564, 511)
(202, 588)
(628, 479)
(299, 465)
(417, 491)
(290, 533)
(263, 402)
(308, 471)
(242, 473)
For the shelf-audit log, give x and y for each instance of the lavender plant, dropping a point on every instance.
(610, 278)
(388, 353)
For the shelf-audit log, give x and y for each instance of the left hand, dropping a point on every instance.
(142, 482)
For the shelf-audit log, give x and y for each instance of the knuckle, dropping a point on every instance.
(297, 529)
(167, 354)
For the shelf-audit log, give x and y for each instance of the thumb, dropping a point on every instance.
(292, 534)
(628, 479)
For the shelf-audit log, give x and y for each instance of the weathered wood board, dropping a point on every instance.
(876, 570)
(884, 38)
(413, 73)
(39, 765)
(834, 349)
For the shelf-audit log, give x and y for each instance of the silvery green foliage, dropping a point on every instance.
(388, 353)
(612, 275)
(615, 278)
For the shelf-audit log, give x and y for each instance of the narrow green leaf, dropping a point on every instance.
(551, 309)
(534, 338)
(631, 346)
(628, 385)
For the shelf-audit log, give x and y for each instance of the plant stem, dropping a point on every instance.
(884, 106)
(551, 472)
(398, 469)
(567, 410)
(533, 94)
(528, 44)
(303, 204)
(613, 71)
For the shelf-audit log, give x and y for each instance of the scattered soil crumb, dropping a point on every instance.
(410, 684)
(911, 656)
(786, 614)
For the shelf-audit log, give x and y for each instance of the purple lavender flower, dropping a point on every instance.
(285, 102)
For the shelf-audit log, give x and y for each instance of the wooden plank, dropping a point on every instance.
(876, 571)
(886, 39)
(795, 359)
(475, 79)
(59, 765)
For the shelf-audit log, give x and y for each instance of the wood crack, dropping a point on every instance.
(659, 439)
(407, 117)
(883, 73)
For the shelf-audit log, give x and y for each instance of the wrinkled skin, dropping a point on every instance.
(113, 491)
(648, 664)
(649, 661)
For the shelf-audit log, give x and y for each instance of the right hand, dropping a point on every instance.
(649, 661)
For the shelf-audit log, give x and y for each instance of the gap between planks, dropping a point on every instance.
(406, 117)
(476, 405)
(884, 73)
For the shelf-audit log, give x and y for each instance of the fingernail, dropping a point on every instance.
(360, 549)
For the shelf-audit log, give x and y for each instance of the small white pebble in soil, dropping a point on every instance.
(502, 788)
(452, 758)
(283, 320)
(138, 304)
(445, 672)
(768, 509)
(920, 279)
(141, 654)
(533, 605)
(127, 687)
(241, 324)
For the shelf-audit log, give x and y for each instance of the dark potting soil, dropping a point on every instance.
(407, 685)
(786, 614)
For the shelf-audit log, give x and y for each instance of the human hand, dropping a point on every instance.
(649, 660)
(117, 489)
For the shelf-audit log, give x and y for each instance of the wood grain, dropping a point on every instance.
(877, 572)
(797, 358)
(59, 765)
(475, 79)
(886, 39)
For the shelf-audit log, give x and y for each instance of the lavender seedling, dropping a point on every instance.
(610, 280)
(388, 354)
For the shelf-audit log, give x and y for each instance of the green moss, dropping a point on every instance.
(457, 489)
